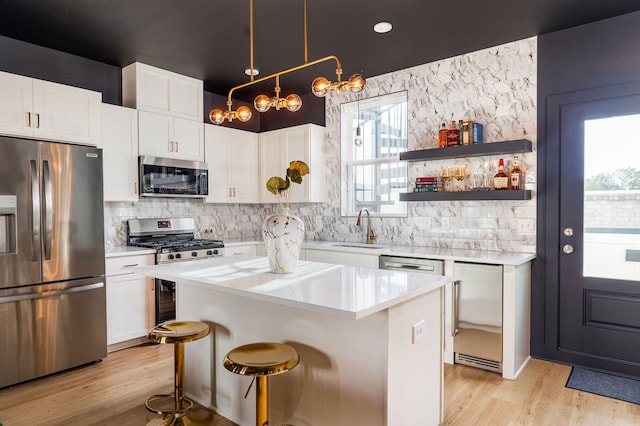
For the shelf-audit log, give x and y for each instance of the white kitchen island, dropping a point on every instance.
(370, 341)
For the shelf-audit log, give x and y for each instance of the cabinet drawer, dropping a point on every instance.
(125, 264)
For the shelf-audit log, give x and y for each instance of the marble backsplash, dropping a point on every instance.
(495, 86)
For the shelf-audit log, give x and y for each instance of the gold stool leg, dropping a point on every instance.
(178, 367)
(262, 401)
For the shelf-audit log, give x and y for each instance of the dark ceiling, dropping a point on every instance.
(209, 39)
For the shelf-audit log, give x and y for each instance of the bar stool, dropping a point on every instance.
(178, 333)
(261, 360)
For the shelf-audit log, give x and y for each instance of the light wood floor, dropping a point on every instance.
(112, 392)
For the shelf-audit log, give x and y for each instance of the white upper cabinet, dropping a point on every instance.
(170, 137)
(120, 153)
(280, 147)
(153, 89)
(44, 110)
(232, 157)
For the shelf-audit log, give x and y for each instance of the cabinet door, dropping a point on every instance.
(152, 88)
(272, 158)
(296, 142)
(217, 158)
(66, 113)
(155, 134)
(186, 97)
(238, 250)
(243, 166)
(341, 258)
(16, 94)
(120, 153)
(188, 139)
(128, 308)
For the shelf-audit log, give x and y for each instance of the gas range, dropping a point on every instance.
(173, 239)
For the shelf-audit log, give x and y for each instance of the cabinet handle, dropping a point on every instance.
(171, 146)
(135, 188)
(177, 146)
(28, 119)
(454, 308)
(234, 191)
(37, 120)
(131, 265)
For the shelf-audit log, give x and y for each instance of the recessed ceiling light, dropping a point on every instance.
(382, 27)
(248, 71)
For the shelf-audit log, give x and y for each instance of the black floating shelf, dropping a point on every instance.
(466, 195)
(475, 150)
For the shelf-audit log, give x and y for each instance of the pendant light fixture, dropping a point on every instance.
(357, 141)
(262, 103)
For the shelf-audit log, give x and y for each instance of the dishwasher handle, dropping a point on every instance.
(411, 267)
(454, 308)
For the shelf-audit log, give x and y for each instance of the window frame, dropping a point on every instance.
(349, 164)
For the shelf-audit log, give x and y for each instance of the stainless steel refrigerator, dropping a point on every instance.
(52, 293)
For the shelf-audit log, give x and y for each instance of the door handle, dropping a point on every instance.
(35, 211)
(454, 309)
(567, 249)
(48, 210)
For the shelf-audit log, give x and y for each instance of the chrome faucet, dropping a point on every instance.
(370, 235)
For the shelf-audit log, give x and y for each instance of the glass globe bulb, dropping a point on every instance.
(216, 116)
(320, 86)
(293, 102)
(262, 103)
(357, 83)
(357, 141)
(243, 113)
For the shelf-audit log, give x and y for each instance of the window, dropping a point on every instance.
(373, 177)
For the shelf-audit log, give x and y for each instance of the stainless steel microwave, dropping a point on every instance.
(168, 177)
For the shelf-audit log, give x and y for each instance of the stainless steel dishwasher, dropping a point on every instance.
(477, 315)
(412, 264)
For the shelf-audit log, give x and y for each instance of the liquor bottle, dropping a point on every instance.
(453, 135)
(501, 180)
(442, 136)
(516, 177)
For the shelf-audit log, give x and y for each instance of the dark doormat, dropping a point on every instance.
(604, 384)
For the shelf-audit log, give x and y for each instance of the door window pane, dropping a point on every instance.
(612, 198)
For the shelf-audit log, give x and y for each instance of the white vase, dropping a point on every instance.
(283, 234)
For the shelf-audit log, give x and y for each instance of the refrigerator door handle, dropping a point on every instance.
(35, 211)
(454, 308)
(48, 210)
(40, 295)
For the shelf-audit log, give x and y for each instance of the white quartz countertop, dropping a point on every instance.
(344, 291)
(461, 255)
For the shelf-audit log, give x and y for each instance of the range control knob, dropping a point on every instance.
(209, 252)
(194, 254)
(216, 252)
(178, 256)
(170, 256)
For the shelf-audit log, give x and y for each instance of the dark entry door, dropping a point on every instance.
(599, 231)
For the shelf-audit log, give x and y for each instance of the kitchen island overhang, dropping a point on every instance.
(361, 362)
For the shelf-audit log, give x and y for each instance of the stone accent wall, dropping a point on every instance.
(495, 86)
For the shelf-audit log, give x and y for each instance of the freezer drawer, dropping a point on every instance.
(50, 328)
(477, 315)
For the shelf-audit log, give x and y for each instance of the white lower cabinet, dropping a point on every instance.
(341, 258)
(232, 157)
(130, 301)
(120, 153)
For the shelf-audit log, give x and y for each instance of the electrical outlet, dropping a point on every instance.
(525, 226)
(418, 331)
